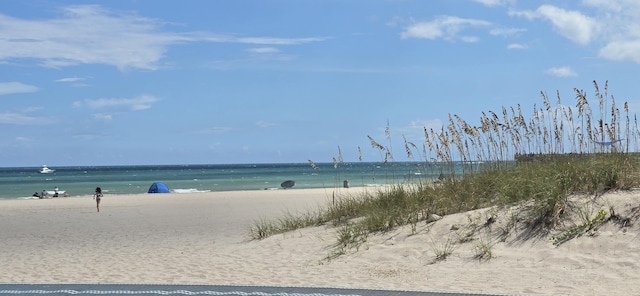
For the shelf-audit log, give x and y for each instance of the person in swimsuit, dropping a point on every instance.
(97, 196)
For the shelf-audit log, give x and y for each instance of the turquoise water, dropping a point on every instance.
(82, 180)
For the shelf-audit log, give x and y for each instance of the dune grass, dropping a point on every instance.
(506, 160)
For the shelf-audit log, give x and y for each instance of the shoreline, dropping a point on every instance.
(364, 188)
(201, 238)
(132, 179)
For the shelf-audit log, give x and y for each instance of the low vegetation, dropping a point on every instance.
(507, 160)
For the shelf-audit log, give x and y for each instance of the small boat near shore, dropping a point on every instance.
(45, 170)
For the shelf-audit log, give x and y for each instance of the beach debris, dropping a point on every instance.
(288, 184)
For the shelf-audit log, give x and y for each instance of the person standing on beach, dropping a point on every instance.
(97, 196)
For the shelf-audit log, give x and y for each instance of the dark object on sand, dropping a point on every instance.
(288, 184)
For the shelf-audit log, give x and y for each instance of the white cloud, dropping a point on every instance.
(70, 79)
(565, 71)
(621, 22)
(613, 25)
(517, 46)
(90, 34)
(571, 24)
(444, 27)
(134, 104)
(7, 88)
(622, 51)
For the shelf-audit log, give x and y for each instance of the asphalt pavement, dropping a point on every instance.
(139, 289)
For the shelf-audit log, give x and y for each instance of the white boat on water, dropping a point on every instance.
(45, 170)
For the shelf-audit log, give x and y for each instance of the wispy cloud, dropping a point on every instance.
(265, 124)
(70, 79)
(506, 32)
(269, 53)
(73, 81)
(17, 119)
(444, 27)
(517, 46)
(263, 50)
(612, 5)
(7, 88)
(421, 124)
(272, 41)
(214, 130)
(565, 71)
(134, 104)
(103, 116)
(91, 34)
(24, 117)
(493, 2)
(216, 147)
(414, 130)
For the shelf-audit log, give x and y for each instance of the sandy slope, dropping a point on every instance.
(202, 239)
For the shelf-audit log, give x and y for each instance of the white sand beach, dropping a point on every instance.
(201, 238)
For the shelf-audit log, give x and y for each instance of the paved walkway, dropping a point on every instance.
(126, 289)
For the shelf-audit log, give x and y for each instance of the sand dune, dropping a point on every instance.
(201, 238)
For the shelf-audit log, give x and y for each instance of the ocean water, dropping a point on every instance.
(22, 182)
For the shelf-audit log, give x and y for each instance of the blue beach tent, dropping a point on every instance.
(159, 187)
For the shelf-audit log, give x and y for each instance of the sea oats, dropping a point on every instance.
(545, 101)
(387, 130)
(312, 164)
(427, 139)
(375, 144)
(406, 147)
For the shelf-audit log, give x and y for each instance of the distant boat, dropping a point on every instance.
(45, 170)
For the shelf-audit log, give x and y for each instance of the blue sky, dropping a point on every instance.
(263, 81)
